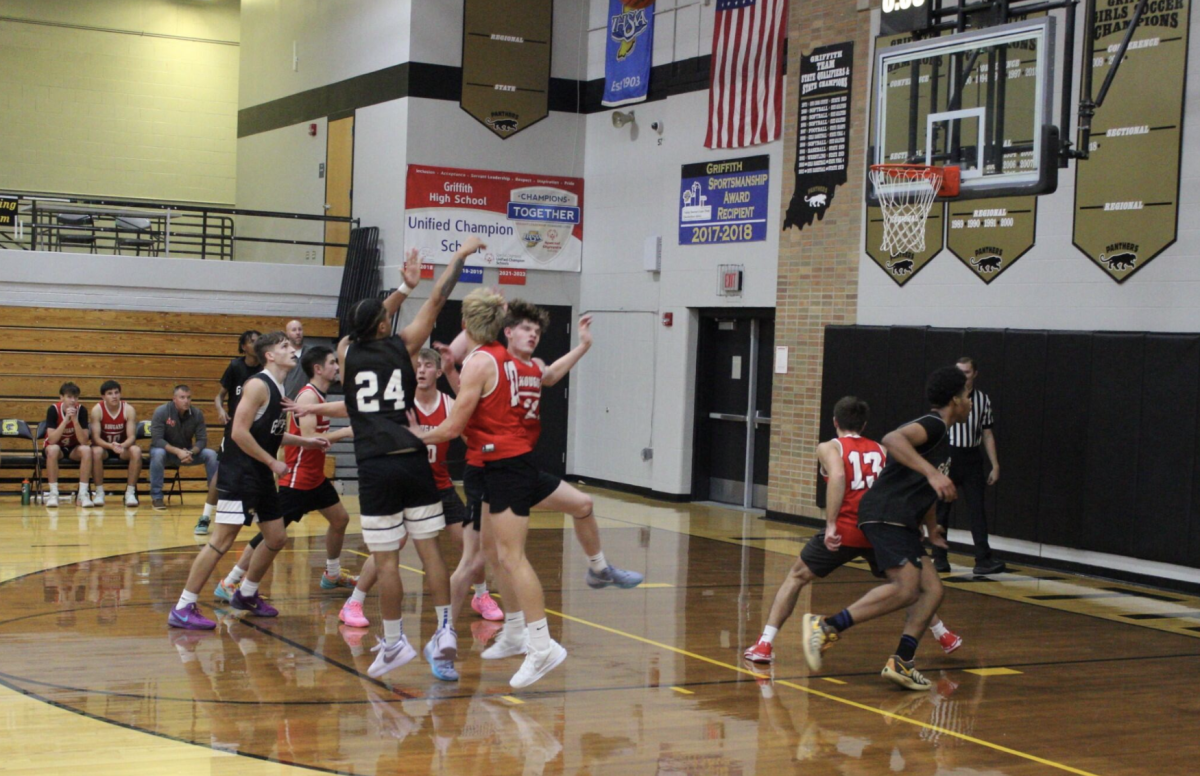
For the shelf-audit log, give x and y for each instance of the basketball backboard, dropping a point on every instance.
(937, 102)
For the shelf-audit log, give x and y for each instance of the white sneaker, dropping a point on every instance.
(390, 658)
(50, 501)
(507, 647)
(131, 499)
(538, 664)
(445, 645)
(98, 498)
(83, 500)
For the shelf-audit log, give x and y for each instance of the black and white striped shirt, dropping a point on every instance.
(969, 433)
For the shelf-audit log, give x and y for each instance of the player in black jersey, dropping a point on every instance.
(890, 515)
(398, 496)
(246, 483)
(240, 369)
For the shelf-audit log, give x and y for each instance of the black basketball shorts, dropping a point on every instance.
(295, 504)
(822, 562)
(398, 496)
(248, 505)
(894, 545)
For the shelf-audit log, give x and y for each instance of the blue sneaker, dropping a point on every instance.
(442, 669)
(613, 576)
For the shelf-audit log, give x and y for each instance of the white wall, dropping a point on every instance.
(102, 113)
(1055, 286)
(51, 279)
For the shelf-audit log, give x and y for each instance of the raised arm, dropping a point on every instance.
(410, 275)
(830, 455)
(475, 377)
(417, 333)
(559, 369)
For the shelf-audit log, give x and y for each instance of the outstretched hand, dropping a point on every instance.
(411, 271)
(585, 330)
(472, 244)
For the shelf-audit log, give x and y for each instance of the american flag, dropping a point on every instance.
(745, 97)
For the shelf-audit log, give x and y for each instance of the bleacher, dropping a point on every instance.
(149, 353)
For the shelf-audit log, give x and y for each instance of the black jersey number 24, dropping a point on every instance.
(368, 389)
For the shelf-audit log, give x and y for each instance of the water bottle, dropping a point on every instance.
(26, 492)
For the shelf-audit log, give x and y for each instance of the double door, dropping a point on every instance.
(732, 442)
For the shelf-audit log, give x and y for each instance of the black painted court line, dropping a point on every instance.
(1142, 594)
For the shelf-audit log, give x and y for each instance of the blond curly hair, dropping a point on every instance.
(484, 312)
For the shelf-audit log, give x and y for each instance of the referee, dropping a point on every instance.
(966, 470)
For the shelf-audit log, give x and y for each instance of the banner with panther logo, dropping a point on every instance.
(527, 221)
(1127, 192)
(989, 235)
(628, 51)
(506, 63)
(822, 131)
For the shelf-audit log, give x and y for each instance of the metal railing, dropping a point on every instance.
(121, 226)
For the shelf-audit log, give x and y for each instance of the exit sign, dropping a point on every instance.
(731, 279)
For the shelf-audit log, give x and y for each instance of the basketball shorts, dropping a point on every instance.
(822, 562)
(398, 497)
(66, 452)
(248, 506)
(295, 504)
(516, 484)
(453, 507)
(894, 545)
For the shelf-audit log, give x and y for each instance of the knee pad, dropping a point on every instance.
(257, 540)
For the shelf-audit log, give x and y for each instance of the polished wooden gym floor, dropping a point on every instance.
(1058, 673)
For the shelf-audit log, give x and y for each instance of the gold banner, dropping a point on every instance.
(506, 63)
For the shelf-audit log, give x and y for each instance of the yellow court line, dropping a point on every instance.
(811, 691)
(682, 691)
(511, 699)
(832, 680)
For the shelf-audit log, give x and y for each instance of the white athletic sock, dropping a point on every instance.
(393, 631)
(358, 595)
(208, 510)
(938, 628)
(539, 635)
(187, 599)
(333, 567)
(597, 563)
(768, 634)
(235, 576)
(100, 490)
(83, 487)
(443, 616)
(248, 589)
(514, 623)
(130, 489)
(480, 589)
(54, 489)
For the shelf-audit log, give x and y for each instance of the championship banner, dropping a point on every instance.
(526, 221)
(8, 210)
(627, 55)
(724, 202)
(506, 63)
(1127, 192)
(989, 235)
(822, 131)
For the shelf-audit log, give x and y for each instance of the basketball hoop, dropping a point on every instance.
(906, 193)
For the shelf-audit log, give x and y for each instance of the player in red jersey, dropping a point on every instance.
(67, 436)
(850, 464)
(305, 488)
(486, 409)
(114, 429)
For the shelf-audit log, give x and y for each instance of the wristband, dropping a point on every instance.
(404, 289)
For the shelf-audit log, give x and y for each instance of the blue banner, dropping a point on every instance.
(627, 56)
(725, 201)
(471, 275)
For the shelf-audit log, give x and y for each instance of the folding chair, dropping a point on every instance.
(12, 428)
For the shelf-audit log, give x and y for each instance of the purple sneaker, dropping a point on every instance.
(254, 605)
(189, 618)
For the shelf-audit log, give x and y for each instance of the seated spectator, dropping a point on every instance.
(114, 429)
(67, 437)
(178, 438)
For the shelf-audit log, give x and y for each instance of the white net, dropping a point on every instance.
(905, 193)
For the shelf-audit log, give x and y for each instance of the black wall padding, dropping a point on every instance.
(1097, 431)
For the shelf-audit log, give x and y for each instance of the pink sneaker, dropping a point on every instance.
(486, 606)
(352, 615)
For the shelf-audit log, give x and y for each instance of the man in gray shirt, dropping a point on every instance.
(178, 437)
(296, 378)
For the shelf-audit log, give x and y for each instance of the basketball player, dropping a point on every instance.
(305, 488)
(114, 431)
(67, 436)
(397, 492)
(890, 517)
(487, 409)
(850, 464)
(240, 369)
(246, 483)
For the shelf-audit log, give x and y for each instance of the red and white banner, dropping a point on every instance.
(745, 96)
(527, 221)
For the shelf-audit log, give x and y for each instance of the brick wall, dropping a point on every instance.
(818, 266)
(92, 112)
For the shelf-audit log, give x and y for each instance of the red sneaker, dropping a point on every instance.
(487, 607)
(950, 642)
(759, 653)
